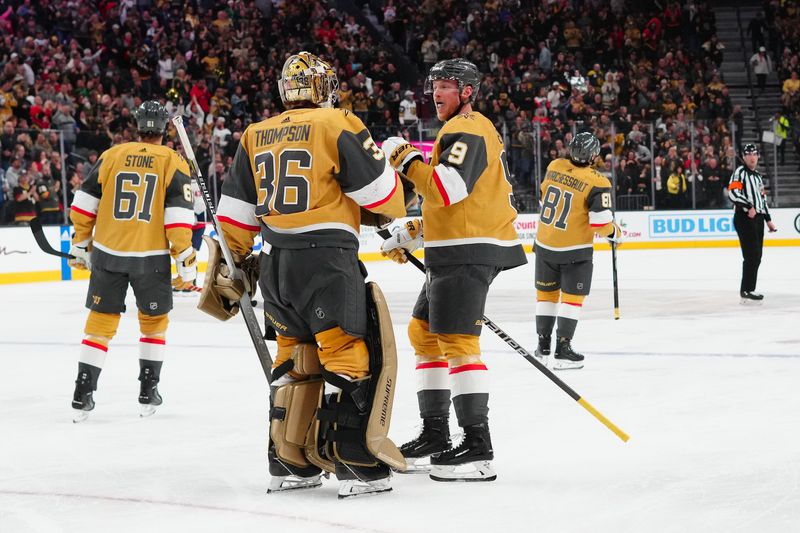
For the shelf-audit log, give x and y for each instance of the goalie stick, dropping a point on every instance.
(246, 306)
(530, 358)
(614, 279)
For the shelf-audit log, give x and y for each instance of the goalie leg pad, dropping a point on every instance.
(294, 403)
(211, 302)
(291, 416)
(354, 422)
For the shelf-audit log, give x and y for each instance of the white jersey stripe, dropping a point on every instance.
(178, 215)
(565, 248)
(238, 210)
(313, 227)
(452, 182)
(380, 188)
(600, 218)
(148, 253)
(85, 202)
(471, 240)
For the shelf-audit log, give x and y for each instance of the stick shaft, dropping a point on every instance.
(539, 366)
(614, 279)
(253, 327)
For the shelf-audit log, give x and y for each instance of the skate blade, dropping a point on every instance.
(748, 301)
(79, 416)
(146, 409)
(416, 465)
(354, 488)
(560, 364)
(473, 471)
(288, 483)
(544, 359)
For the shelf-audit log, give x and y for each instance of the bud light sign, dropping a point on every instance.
(691, 225)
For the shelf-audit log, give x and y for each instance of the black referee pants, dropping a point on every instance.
(751, 240)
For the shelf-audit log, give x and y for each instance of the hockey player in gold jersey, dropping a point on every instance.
(575, 205)
(469, 234)
(132, 213)
(303, 179)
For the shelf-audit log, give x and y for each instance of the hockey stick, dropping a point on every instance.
(535, 362)
(41, 240)
(44, 245)
(250, 320)
(614, 279)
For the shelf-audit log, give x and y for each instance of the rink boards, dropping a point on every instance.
(21, 261)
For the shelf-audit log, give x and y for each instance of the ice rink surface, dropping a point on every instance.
(706, 387)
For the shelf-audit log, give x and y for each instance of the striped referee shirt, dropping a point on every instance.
(746, 190)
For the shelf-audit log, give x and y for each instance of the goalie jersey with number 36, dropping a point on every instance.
(575, 204)
(301, 178)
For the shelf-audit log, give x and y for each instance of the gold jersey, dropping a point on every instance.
(137, 199)
(468, 215)
(302, 177)
(575, 204)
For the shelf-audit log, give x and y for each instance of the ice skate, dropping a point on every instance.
(751, 298)
(542, 352)
(355, 481)
(292, 482)
(566, 358)
(433, 438)
(469, 461)
(82, 399)
(287, 477)
(149, 398)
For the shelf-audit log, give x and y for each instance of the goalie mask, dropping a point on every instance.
(307, 78)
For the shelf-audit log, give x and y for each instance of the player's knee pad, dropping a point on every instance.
(342, 353)
(298, 355)
(293, 404)
(457, 344)
(153, 325)
(353, 423)
(102, 324)
(548, 296)
(422, 340)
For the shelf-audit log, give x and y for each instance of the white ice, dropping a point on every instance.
(706, 387)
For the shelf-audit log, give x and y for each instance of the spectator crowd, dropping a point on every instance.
(643, 76)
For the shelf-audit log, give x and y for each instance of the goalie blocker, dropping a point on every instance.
(345, 432)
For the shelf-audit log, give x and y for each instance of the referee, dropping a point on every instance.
(746, 191)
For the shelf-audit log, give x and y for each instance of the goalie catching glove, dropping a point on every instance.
(221, 293)
(82, 254)
(400, 153)
(407, 237)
